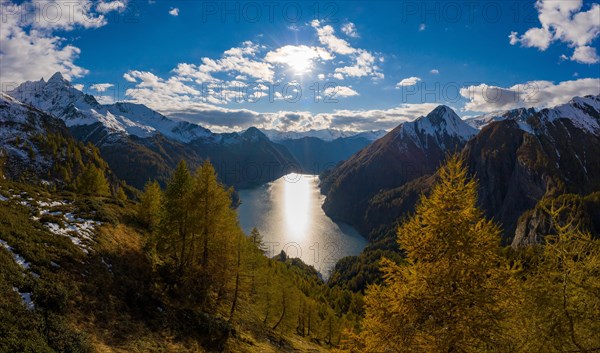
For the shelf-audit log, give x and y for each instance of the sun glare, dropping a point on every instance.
(297, 203)
(300, 62)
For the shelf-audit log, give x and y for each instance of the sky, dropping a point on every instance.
(299, 65)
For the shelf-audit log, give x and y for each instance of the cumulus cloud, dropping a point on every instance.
(238, 60)
(434, 71)
(349, 29)
(109, 6)
(174, 11)
(327, 37)
(540, 94)
(339, 91)
(567, 22)
(31, 49)
(222, 119)
(206, 92)
(101, 87)
(365, 64)
(298, 57)
(585, 55)
(410, 81)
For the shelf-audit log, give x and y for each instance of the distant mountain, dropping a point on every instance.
(517, 159)
(324, 134)
(59, 98)
(319, 150)
(141, 144)
(519, 114)
(555, 151)
(315, 155)
(38, 148)
(411, 150)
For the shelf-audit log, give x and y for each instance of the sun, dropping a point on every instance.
(300, 61)
(298, 58)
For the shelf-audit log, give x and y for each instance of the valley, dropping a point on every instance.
(205, 246)
(299, 176)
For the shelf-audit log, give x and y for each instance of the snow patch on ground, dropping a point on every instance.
(20, 260)
(79, 230)
(26, 296)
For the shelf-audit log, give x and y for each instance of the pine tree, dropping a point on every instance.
(150, 205)
(121, 195)
(197, 238)
(93, 181)
(447, 297)
(175, 223)
(560, 308)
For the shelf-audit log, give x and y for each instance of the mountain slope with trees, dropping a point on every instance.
(140, 144)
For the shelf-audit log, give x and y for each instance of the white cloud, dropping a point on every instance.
(349, 29)
(422, 27)
(297, 57)
(31, 50)
(339, 91)
(101, 87)
(174, 11)
(79, 86)
(540, 94)
(238, 60)
(410, 81)
(108, 6)
(364, 65)
(104, 99)
(68, 15)
(534, 38)
(129, 78)
(567, 22)
(585, 55)
(223, 119)
(328, 38)
(434, 71)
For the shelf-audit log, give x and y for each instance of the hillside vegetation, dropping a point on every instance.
(81, 272)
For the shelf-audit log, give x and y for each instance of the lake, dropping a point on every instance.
(288, 214)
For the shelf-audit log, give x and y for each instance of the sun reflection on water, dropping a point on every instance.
(297, 200)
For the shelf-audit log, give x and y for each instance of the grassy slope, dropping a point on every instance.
(103, 301)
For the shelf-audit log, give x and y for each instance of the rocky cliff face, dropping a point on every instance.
(552, 152)
(408, 152)
(536, 224)
(517, 160)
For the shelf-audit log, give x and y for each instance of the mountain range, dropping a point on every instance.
(518, 156)
(141, 144)
(319, 150)
(371, 179)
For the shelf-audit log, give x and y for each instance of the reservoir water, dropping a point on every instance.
(288, 214)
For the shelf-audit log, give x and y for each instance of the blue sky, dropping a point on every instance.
(349, 64)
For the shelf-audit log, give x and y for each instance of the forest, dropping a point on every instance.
(173, 271)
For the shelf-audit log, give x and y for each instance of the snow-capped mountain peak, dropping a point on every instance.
(440, 123)
(58, 78)
(583, 112)
(519, 114)
(323, 134)
(58, 97)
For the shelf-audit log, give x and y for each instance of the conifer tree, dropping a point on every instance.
(150, 204)
(175, 224)
(93, 181)
(447, 297)
(197, 238)
(560, 309)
